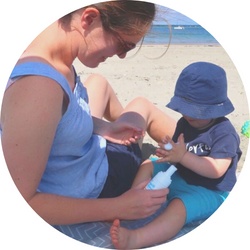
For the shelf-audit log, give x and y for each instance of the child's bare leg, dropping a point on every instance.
(103, 101)
(163, 228)
(145, 172)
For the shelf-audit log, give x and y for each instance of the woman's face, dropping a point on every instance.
(107, 45)
(98, 44)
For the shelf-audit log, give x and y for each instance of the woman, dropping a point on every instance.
(62, 162)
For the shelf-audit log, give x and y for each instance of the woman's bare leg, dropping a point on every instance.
(146, 115)
(163, 228)
(103, 101)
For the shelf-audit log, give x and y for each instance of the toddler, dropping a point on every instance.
(205, 150)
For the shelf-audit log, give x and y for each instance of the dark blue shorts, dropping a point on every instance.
(124, 162)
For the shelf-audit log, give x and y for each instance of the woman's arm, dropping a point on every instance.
(136, 203)
(117, 132)
(31, 111)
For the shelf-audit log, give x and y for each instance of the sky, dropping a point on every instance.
(173, 17)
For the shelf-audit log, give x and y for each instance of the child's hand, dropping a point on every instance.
(175, 154)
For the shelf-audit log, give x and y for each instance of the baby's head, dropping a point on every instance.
(201, 92)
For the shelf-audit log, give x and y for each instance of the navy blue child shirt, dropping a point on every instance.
(218, 141)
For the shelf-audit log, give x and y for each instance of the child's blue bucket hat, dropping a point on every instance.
(201, 92)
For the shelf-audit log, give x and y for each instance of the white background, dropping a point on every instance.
(22, 21)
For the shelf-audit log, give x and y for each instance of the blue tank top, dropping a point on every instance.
(77, 165)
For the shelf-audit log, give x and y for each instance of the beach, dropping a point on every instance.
(153, 76)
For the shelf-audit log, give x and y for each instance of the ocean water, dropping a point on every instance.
(184, 34)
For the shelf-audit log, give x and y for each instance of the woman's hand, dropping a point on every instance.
(138, 203)
(124, 133)
(118, 132)
(174, 155)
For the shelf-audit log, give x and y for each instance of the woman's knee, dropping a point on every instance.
(141, 105)
(96, 81)
(140, 100)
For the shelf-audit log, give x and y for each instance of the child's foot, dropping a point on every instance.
(121, 237)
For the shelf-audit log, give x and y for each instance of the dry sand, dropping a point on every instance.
(143, 75)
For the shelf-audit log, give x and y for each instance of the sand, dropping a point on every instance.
(146, 75)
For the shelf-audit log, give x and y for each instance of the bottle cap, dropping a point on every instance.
(168, 146)
(171, 170)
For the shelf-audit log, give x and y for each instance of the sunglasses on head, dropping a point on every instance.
(124, 45)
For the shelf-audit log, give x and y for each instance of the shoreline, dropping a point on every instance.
(150, 74)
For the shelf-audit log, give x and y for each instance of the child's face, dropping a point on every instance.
(196, 123)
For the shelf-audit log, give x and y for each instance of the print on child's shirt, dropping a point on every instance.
(199, 149)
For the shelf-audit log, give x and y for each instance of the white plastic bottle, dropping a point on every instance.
(162, 179)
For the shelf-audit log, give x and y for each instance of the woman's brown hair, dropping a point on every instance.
(125, 16)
